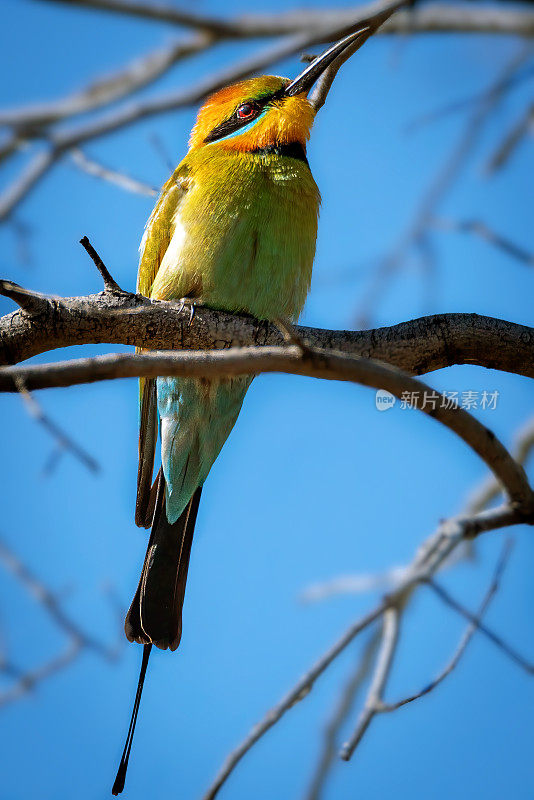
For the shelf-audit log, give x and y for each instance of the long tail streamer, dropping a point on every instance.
(118, 786)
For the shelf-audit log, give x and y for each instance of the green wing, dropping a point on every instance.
(158, 234)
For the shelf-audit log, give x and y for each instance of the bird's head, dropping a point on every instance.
(252, 115)
(268, 111)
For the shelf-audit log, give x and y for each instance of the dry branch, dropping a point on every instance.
(63, 441)
(314, 362)
(490, 490)
(30, 120)
(416, 237)
(384, 663)
(434, 17)
(298, 693)
(475, 624)
(483, 231)
(417, 346)
(24, 680)
(339, 716)
(97, 170)
(301, 359)
(61, 141)
(250, 361)
(511, 141)
(427, 561)
(390, 579)
(467, 102)
(299, 30)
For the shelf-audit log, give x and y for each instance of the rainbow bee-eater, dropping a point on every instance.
(234, 228)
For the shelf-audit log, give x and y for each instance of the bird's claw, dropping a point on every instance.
(187, 301)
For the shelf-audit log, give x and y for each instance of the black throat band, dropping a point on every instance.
(292, 150)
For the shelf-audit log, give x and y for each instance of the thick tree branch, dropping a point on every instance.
(490, 490)
(417, 346)
(312, 362)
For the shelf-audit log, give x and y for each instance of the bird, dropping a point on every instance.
(234, 228)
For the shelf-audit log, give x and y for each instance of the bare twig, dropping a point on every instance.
(511, 141)
(353, 584)
(49, 601)
(440, 186)
(434, 17)
(391, 578)
(427, 561)
(475, 625)
(97, 170)
(26, 681)
(64, 442)
(11, 144)
(480, 499)
(289, 332)
(298, 693)
(158, 12)
(480, 229)
(110, 284)
(466, 103)
(340, 714)
(37, 168)
(384, 663)
(33, 121)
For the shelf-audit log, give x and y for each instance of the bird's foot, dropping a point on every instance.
(188, 301)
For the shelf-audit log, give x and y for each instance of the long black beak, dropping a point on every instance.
(344, 47)
(306, 79)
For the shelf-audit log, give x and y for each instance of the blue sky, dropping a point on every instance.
(313, 481)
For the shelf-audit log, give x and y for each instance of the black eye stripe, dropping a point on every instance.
(235, 122)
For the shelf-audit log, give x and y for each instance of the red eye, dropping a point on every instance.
(246, 111)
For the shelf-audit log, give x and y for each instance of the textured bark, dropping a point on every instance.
(417, 346)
